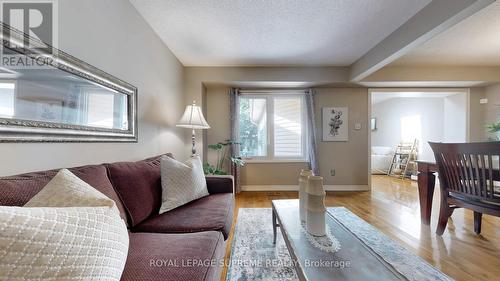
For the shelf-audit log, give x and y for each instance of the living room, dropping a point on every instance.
(232, 140)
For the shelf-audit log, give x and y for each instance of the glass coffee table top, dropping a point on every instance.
(354, 260)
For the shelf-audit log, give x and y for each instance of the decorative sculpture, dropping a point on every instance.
(303, 182)
(315, 218)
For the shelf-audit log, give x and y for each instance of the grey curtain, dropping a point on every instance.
(311, 138)
(234, 105)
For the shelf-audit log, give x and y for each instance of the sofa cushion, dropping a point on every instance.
(220, 184)
(182, 182)
(167, 257)
(138, 185)
(214, 212)
(69, 230)
(18, 190)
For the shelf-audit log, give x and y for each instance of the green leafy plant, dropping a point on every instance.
(222, 150)
(493, 128)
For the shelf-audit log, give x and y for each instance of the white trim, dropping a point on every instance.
(335, 187)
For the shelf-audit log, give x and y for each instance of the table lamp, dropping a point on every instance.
(193, 119)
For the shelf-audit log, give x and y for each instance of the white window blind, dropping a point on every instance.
(288, 127)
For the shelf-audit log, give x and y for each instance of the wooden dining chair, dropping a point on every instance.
(467, 175)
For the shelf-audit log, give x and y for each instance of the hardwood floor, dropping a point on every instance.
(392, 207)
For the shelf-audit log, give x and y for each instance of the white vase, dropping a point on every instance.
(315, 218)
(303, 182)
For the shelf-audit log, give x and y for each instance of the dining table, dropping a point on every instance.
(426, 182)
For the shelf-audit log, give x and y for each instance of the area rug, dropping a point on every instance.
(255, 257)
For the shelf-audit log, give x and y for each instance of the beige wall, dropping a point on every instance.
(484, 114)
(391, 76)
(217, 115)
(492, 108)
(476, 115)
(452, 75)
(264, 174)
(117, 40)
(195, 79)
(349, 159)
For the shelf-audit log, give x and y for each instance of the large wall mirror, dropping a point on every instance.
(63, 99)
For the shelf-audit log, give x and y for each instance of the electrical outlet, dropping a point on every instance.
(332, 172)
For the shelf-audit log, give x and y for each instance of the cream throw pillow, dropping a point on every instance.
(181, 182)
(68, 231)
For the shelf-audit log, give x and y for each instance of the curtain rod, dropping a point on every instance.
(277, 91)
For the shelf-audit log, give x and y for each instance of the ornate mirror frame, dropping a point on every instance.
(18, 130)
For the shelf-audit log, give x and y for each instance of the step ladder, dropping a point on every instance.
(404, 159)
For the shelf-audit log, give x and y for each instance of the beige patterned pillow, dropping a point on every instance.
(181, 182)
(68, 231)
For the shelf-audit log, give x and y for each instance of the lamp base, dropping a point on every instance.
(193, 140)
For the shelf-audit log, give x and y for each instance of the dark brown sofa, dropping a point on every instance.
(187, 243)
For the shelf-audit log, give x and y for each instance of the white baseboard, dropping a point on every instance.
(296, 187)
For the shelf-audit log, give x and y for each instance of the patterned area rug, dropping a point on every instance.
(255, 257)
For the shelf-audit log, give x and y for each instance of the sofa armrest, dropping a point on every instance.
(220, 184)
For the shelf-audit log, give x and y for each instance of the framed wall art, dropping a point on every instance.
(335, 124)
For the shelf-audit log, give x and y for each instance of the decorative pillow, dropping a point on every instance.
(181, 182)
(68, 231)
(139, 186)
(19, 189)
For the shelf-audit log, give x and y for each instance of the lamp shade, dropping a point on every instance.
(193, 118)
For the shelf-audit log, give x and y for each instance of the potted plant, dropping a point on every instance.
(222, 150)
(494, 129)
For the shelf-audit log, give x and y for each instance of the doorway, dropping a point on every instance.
(406, 116)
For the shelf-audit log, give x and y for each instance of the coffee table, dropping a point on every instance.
(354, 261)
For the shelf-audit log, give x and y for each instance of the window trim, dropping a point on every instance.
(269, 97)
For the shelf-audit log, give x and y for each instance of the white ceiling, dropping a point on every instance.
(474, 41)
(274, 32)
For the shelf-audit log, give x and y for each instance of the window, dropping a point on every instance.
(272, 127)
(253, 127)
(7, 97)
(99, 108)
